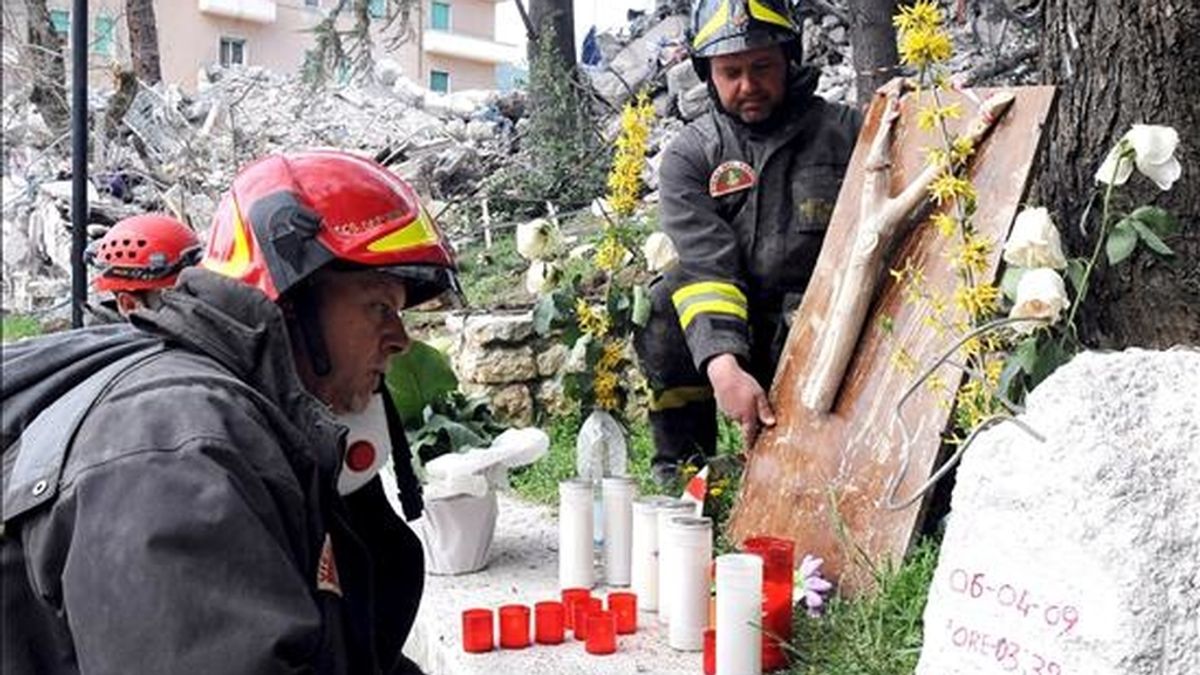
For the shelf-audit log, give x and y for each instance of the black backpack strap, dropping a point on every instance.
(407, 485)
(39, 454)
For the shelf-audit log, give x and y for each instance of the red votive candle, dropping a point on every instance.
(583, 609)
(601, 632)
(514, 626)
(779, 560)
(623, 604)
(477, 630)
(569, 597)
(710, 651)
(549, 621)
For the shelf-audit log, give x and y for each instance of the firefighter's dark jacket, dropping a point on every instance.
(185, 531)
(752, 250)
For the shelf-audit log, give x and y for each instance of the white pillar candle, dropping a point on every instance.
(618, 494)
(575, 534)
(739, 614)
(667, 509)
(643, 573)
(691, 539)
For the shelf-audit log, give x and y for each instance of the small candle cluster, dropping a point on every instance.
(578, 612)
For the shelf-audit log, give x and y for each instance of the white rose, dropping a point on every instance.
(1153, 149)
(541, 277)
(1041, 294)
(1034, 241)
(536, 239)
(660, 252)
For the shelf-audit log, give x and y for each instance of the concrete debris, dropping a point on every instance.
(177, 152)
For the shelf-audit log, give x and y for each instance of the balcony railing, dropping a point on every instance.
(256, 11)
(468, 47)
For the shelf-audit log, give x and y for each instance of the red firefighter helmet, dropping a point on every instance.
(287, 216)
(143, 252)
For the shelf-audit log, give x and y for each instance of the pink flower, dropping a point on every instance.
(810, 587)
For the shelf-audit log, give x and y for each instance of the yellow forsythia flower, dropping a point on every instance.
(604, 386)
(945, 223)
(610, 253)
(625, 177)
(591, 321)
(925, 46)
(949, 186)
(979, 300)
(972, 254)
(921, 14)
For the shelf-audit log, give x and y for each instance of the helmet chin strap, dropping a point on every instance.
(306, 304)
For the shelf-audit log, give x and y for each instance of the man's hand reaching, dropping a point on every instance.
(740, 397)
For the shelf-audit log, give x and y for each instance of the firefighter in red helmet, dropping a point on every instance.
(140, 256)
(190, 519)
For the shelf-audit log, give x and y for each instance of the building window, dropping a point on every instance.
(377, 8)
(233, 52)
(439, 80)
(61, 20)
(312, 3)
(439, 16)
(104, 29)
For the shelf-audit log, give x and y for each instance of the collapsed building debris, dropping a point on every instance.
(177, 152)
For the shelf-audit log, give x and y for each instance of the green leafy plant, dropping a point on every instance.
(438, 419)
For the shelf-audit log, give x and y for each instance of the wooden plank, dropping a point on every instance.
(815, 475)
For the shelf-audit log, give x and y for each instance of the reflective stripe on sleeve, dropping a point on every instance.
(708, 297)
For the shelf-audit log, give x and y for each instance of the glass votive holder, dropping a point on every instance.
(549, 622)
(569, 597)
(477, 626)
(514, 626)
(710, 651)
(601, 632)
(623, 604)
(583, 609)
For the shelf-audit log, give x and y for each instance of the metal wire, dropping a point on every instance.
(890, 501)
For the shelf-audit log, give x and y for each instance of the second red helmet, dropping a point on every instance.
(143, 252)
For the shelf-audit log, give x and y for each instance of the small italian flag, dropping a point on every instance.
(696, 489)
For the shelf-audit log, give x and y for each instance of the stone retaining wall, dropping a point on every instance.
(501, 357)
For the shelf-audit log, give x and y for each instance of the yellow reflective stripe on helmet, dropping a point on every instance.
(722, 288)
(678, 397)
(239, 261)
(713, 25)
(417, 233)
(763, 13)
(711, 307)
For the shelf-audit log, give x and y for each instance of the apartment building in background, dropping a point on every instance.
(454, 47)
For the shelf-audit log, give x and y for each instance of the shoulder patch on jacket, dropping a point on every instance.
(327, 574)
(730, 177)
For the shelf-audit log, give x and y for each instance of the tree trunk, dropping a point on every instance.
(873, 38)
(1117, 63)
(46, 49)
(143, 40)
(559, 14)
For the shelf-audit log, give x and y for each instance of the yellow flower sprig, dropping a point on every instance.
(923, 40)
(610, 253)
(592, 321)
(625, 177)
(925, 45)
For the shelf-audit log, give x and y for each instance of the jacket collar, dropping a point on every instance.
(239, 327)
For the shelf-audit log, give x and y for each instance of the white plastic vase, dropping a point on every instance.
(457, 533)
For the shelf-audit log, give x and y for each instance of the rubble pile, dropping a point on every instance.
(161, 149)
